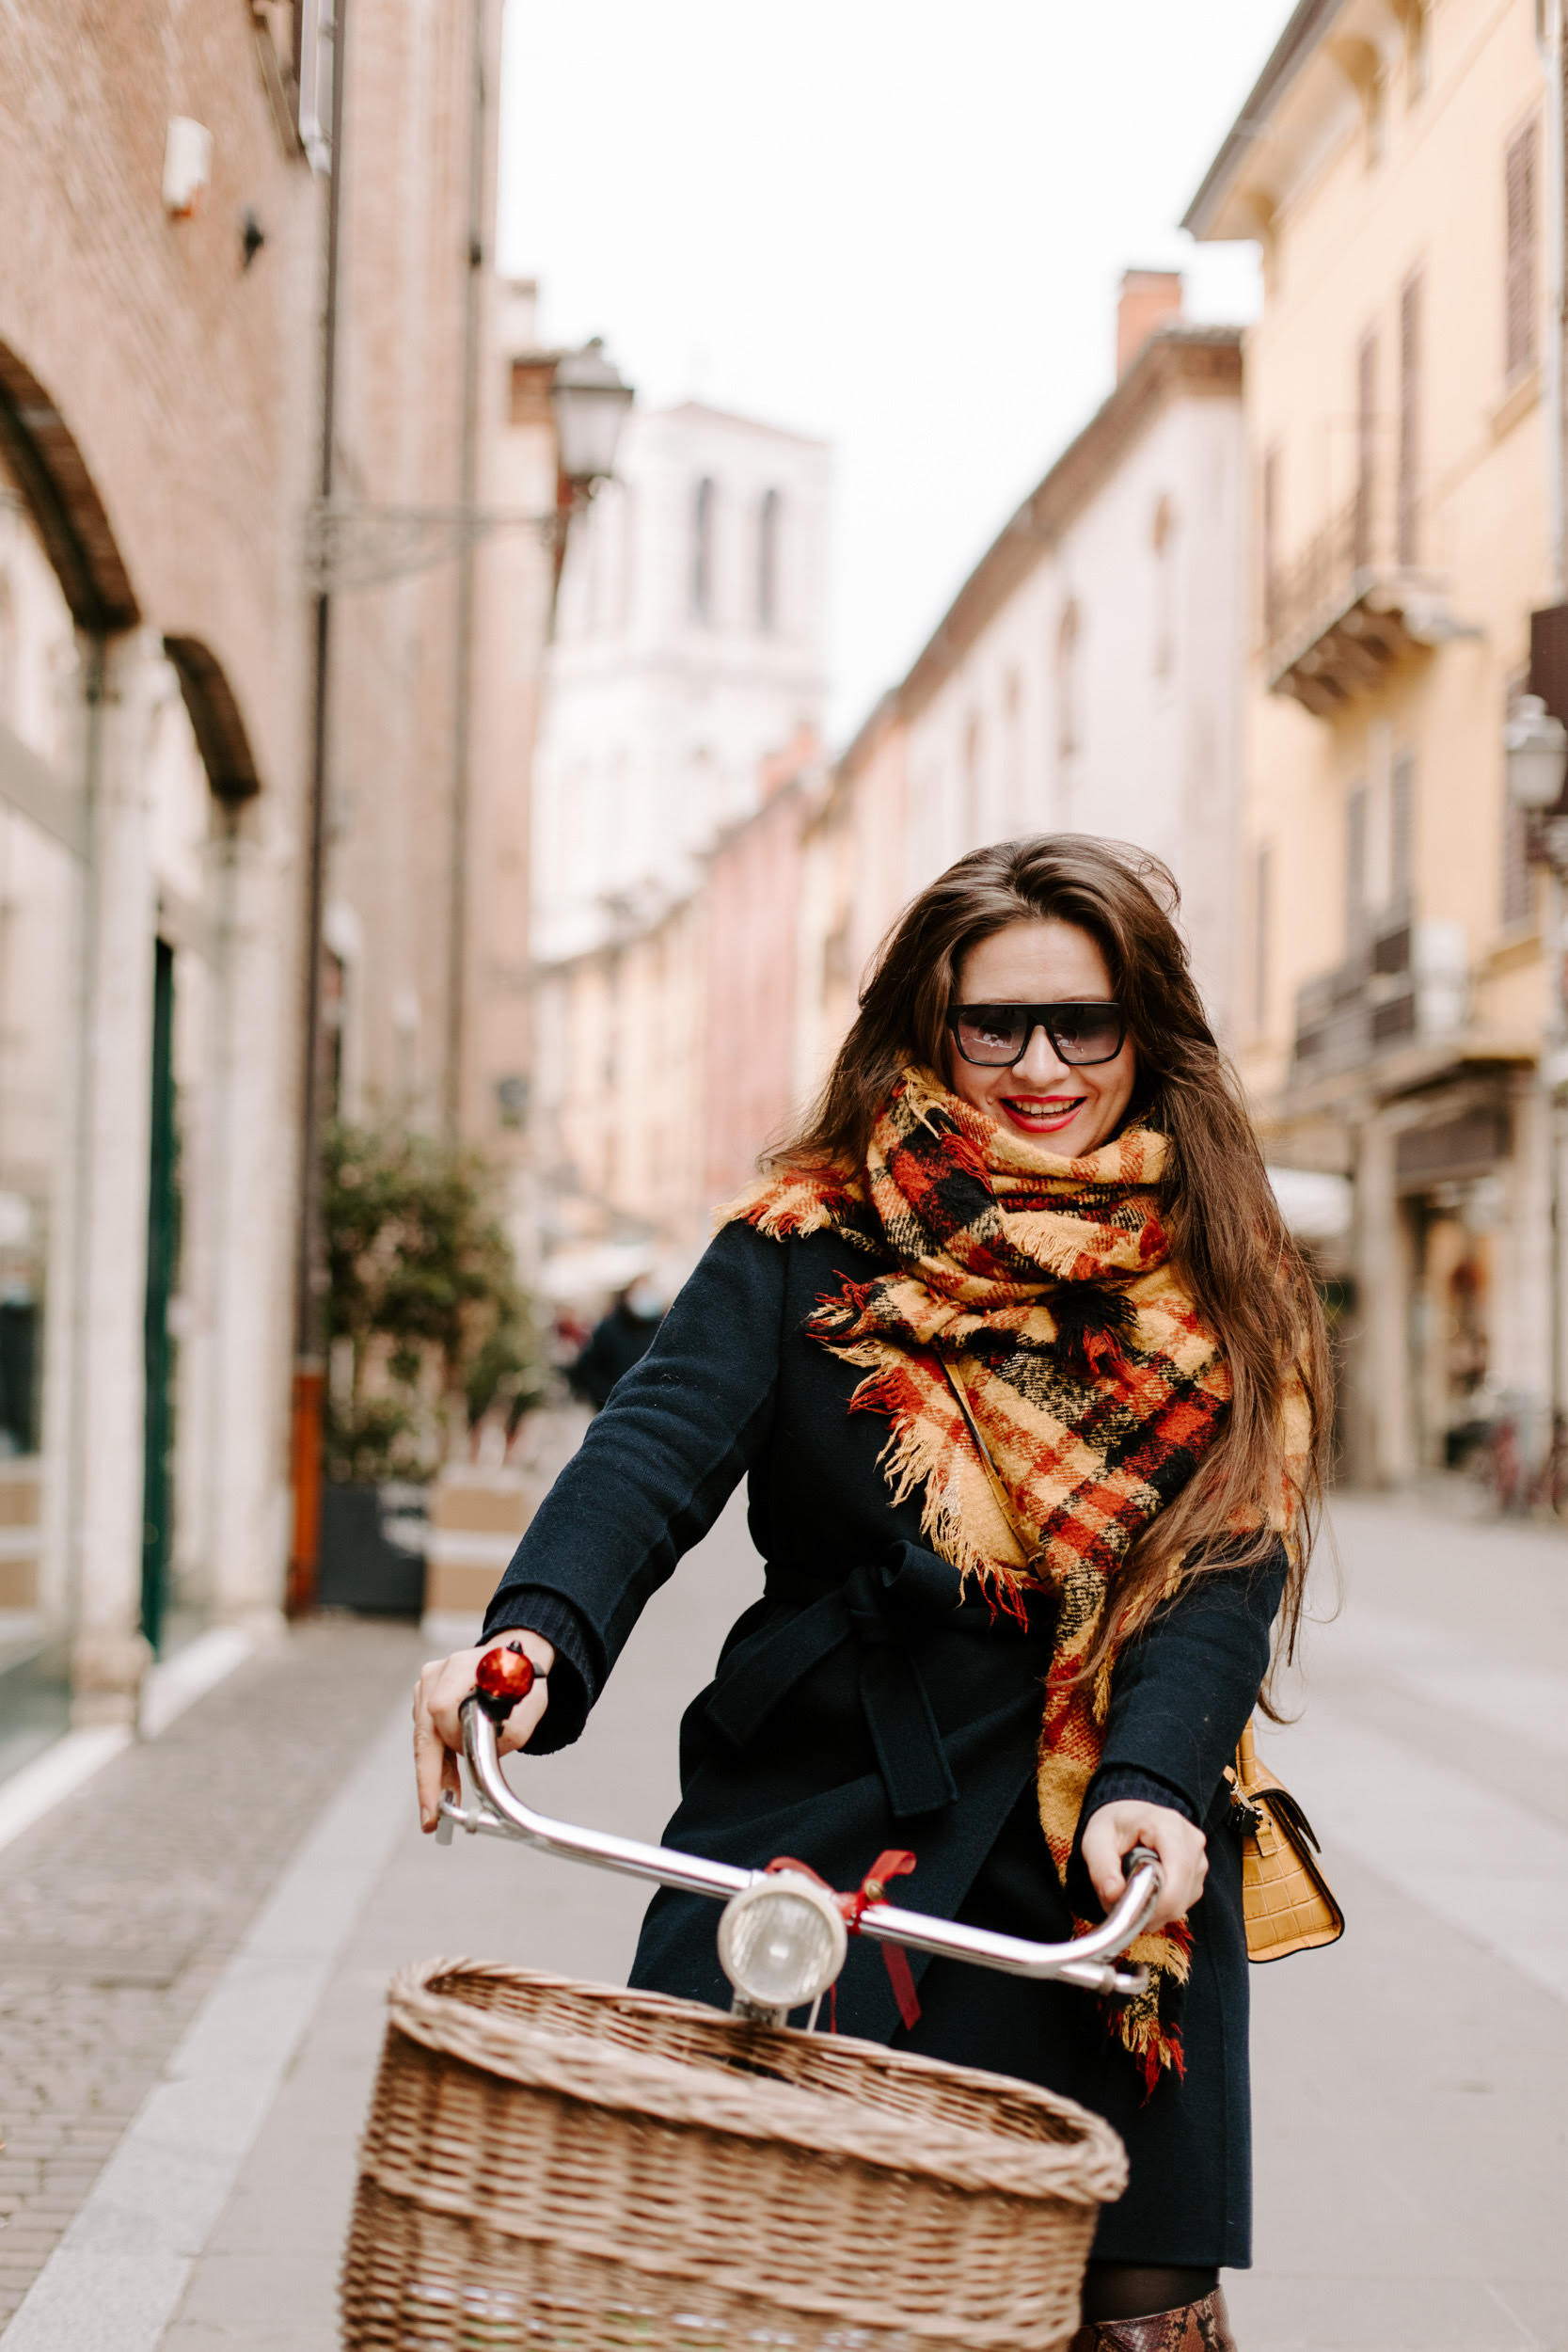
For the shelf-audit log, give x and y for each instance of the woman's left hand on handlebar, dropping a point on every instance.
(1113, 1832)
(438, 1696)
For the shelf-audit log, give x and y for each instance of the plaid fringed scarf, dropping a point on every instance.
(1043, 1281)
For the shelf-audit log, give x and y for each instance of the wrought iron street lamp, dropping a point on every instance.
(1535, 750)
(351, 544)
(589, 403)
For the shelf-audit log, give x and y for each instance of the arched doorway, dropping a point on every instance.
(123, 760)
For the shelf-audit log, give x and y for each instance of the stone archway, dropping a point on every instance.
(216, 719)
(68, 513)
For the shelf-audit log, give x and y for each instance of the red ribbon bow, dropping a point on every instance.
(894, 1864)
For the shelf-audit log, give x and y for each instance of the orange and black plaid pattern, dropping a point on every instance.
(1043, 1281)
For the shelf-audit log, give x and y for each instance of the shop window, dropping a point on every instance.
(1520, 267)
(1365, 449)
(1268, 507)
(1162, 538)
(1068, 633)
(1407, 496)
(1012, 703)
(334, 1009)
(974, 779)
(1402, 831)
(1356, 867)
(770, 515)
(1516, 906)
(1262, 887)
(704, 502)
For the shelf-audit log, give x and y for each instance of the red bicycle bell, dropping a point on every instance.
(504, 1675)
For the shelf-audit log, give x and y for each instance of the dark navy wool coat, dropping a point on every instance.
(863, 1702)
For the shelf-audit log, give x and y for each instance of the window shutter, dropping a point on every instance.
(1356, 867)
(1269, 551)
(1519, 269)
(1401, 832)
(1549, 659)
(1366, 448)
(1410, 418)
(1516, 873)
(702, 550)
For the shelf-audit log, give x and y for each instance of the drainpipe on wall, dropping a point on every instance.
(74, 1450)
(1555, 61)
(468, 495)
(308, 1395)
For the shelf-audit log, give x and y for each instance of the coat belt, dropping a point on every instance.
(883, 1608)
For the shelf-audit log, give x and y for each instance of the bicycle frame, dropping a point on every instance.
(1088, 1961)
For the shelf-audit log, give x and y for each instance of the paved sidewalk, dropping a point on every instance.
(1409, 2082)
(119, 1910)
(1412, 2172)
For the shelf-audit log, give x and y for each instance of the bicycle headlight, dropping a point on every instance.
(782, 1943)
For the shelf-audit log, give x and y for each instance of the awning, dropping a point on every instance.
(1316, 1206)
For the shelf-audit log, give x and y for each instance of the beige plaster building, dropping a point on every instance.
(1084, 678)
(1402, 390)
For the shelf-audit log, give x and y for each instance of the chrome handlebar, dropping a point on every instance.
(1088, 1960)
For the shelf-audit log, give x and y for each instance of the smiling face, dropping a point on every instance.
(1070, 1110)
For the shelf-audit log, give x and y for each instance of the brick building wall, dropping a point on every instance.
(158, 403)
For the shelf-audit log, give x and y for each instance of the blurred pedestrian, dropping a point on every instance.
(1031, 1386)
(619, 1340)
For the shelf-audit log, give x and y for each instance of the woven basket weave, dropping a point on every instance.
(572, 2169)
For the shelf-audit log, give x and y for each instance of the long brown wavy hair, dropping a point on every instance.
(1227, 1238)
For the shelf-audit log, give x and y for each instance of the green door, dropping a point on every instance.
(163, 1249)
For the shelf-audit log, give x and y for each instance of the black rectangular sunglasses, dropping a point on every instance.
(996, 1036)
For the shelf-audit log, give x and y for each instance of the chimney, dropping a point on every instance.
(517, 315)
(1150, 298)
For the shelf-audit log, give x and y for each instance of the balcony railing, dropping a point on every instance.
(1339, 615)
(1406, 984)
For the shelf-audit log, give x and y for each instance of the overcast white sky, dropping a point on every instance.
(895, 223)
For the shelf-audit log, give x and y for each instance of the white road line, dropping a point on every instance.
(114, 2280)
(1476, 1860)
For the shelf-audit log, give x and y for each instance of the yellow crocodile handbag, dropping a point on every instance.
(1286, 1900)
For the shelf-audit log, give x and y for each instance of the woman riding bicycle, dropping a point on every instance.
(1030, 1387)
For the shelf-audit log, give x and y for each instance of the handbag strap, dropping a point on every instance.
(1004, 1501)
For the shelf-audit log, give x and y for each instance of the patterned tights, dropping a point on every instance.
(1128, 2290)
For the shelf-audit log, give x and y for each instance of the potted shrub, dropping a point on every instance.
(429, 1332)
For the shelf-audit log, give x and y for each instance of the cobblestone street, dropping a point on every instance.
(121, 1908)
(1411, 2139)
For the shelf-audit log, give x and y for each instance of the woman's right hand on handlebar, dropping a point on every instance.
(438, 1696)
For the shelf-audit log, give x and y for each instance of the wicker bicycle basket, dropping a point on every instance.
(572, 2169)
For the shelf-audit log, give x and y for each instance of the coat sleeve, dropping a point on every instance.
(658, 1464)
(1180, 1694)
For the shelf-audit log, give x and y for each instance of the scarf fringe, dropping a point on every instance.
(916, 1457)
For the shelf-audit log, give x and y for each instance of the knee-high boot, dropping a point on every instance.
(1203, 2327)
